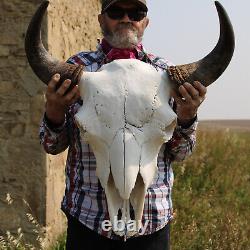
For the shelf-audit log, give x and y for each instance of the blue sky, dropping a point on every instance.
(185, 31)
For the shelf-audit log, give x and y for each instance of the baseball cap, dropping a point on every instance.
(107, 3)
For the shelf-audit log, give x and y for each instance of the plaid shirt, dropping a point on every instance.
(84, 197)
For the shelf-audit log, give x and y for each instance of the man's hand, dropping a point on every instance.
(57, 101)
(188, 101)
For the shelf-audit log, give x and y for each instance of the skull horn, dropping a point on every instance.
(210, 68)
(42, 63)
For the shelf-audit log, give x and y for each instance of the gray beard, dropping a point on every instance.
(119, 39)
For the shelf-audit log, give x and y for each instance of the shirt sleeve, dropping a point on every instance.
(53, 139)
(182, 143)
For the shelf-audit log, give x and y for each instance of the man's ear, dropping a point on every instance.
(146, 22)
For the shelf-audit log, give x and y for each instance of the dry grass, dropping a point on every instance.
(15, 241)
(212, 194)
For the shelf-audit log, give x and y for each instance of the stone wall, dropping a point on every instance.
(26, 172)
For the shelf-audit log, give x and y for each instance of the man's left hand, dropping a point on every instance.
(188, 101)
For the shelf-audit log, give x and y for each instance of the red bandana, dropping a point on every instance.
(116, 53)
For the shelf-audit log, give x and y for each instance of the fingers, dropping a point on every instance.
(53, 83)
(177, 97)
(201, 88)
(186, 91)
(195, 92)
(188, 101)
(64, 87)
(60, 96)
(73, 95)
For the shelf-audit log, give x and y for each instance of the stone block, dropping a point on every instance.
(12, 103)
(6, 87)
(37, 108)
(29, 81)
(4, 50)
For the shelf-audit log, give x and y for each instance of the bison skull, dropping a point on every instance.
(126, 117)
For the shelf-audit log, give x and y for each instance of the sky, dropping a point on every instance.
(186, 31)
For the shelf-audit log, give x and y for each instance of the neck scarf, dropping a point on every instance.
(116, 53)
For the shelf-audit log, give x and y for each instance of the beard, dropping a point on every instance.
(125, 36)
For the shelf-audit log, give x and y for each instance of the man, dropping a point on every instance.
(123, 23)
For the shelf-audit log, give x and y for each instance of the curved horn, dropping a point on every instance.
(210, 68)
(40, 60)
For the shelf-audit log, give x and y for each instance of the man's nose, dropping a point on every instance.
(125, 18)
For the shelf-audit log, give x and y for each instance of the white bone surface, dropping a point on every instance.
(126, 118)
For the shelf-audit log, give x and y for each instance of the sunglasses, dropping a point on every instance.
(118, 13)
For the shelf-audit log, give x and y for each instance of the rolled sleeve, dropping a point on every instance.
(182, 142)
(54, 139)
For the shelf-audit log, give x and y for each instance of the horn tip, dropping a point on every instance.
(218, 4)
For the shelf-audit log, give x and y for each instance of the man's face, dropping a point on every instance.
(123, 32)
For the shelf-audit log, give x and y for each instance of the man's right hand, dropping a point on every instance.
(58, 101)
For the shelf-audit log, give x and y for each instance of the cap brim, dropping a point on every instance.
(144, 7)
